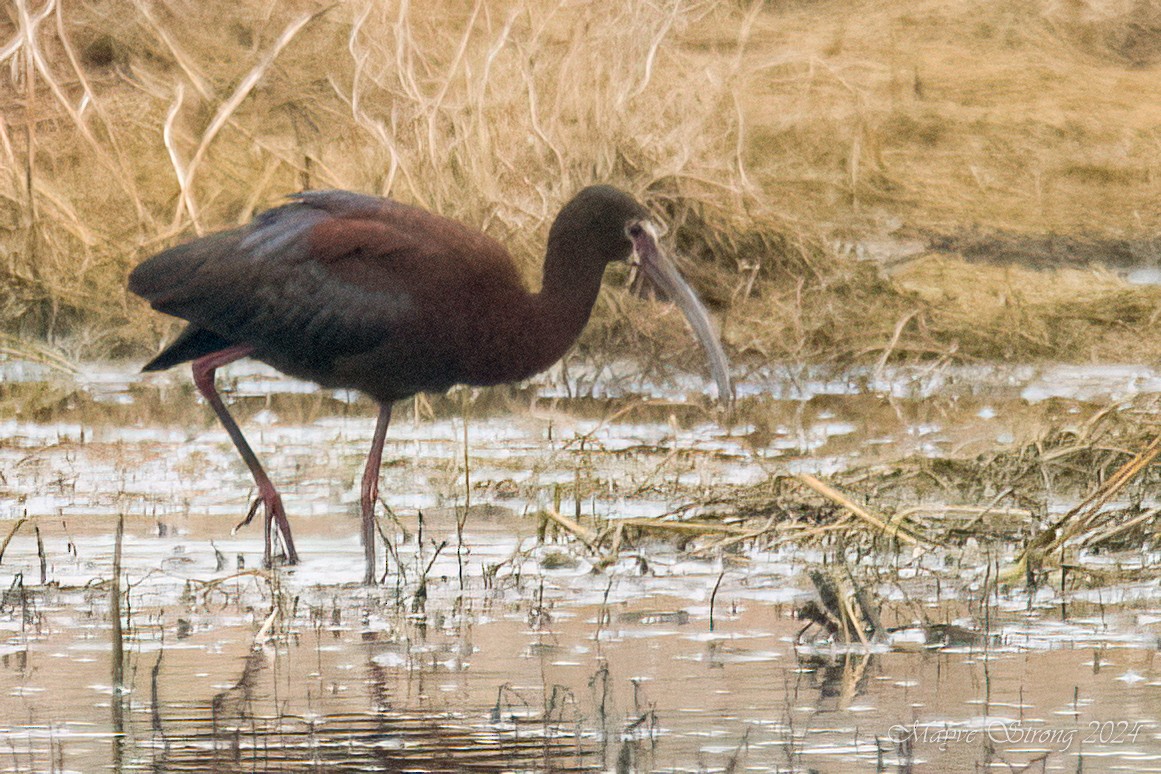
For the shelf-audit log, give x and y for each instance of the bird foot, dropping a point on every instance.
(275, 521)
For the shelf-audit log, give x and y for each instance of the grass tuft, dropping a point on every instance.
(766, 134)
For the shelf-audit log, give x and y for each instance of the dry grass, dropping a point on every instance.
(763, 133)
(1021, 314)
(1031, 117)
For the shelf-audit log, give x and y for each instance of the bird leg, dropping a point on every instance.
(203, 374)
(370, 490)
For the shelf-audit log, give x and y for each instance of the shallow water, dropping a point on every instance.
(517, 653)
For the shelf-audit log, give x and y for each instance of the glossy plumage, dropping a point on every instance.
(355, 291)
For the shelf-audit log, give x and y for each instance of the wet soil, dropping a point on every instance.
(1051, 251)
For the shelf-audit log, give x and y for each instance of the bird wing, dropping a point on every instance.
(330, 274)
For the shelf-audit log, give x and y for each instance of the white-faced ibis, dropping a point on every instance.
(355, 291)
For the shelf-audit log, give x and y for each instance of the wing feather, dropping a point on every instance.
(342, 289)
(295, 283)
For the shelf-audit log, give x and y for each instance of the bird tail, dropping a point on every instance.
(192, 343)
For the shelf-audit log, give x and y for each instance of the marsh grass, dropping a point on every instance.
(762, 132)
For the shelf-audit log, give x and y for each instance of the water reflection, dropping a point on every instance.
(242, 730)
(658, 655)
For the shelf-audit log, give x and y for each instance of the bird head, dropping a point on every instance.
(602, 224)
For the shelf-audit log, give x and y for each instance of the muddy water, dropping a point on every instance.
(505, 649)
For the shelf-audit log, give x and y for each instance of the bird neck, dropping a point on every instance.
(565, 301)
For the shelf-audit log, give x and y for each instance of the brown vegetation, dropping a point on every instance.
(783, 141)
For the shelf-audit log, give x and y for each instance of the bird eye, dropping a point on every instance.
(635, 230)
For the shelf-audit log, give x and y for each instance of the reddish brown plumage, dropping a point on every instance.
(381, 297)
(366, 293)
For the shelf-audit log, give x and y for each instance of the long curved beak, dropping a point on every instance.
(658, 268)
